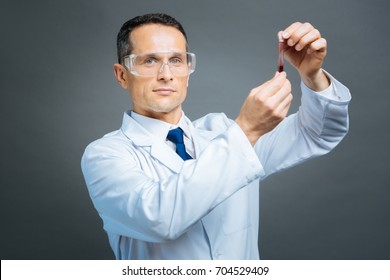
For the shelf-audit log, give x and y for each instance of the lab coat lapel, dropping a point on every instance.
(142, 139)
(166, 156)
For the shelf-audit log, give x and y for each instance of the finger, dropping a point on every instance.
(284, 105)
(299, 33)
(275, 84)
(278, 98)
(290, 30)
(307, 39)
(266, 88)
(318, 46)
(282, 93)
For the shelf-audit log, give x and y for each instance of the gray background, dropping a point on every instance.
(58, 93)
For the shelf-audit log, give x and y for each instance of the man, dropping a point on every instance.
(162, 197)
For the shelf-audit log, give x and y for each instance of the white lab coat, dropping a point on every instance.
(154, 205)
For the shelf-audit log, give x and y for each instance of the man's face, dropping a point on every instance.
(159, 96)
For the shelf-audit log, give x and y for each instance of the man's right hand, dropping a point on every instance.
(265, 107)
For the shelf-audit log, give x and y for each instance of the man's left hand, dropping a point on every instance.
(306, 50)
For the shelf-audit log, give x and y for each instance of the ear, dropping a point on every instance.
(120, 74)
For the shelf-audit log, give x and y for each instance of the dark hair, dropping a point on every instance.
(123, 42)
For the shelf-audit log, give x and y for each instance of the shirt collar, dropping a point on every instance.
(159, 128)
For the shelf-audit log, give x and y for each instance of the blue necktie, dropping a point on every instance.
(176, 136)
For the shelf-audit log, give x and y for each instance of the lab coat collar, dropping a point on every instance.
(143, 139)
(135, 132)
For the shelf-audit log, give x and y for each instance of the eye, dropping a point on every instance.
(150, 60)
(176, 60)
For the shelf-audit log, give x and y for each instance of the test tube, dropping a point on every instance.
(280, 52)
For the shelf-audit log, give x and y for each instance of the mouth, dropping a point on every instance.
(164, 91)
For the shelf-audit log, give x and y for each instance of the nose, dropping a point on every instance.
(165, 73)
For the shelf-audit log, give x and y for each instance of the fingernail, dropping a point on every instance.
(286, 34)
(298, 47)
(290, 42)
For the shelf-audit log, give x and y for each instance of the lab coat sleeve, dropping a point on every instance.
(132, 204)
(319, 125)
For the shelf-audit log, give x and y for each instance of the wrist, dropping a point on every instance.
(251, 134)
(317, 81)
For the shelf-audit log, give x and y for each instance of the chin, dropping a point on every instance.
(167, 108)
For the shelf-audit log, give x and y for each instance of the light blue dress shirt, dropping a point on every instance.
(154, 205)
